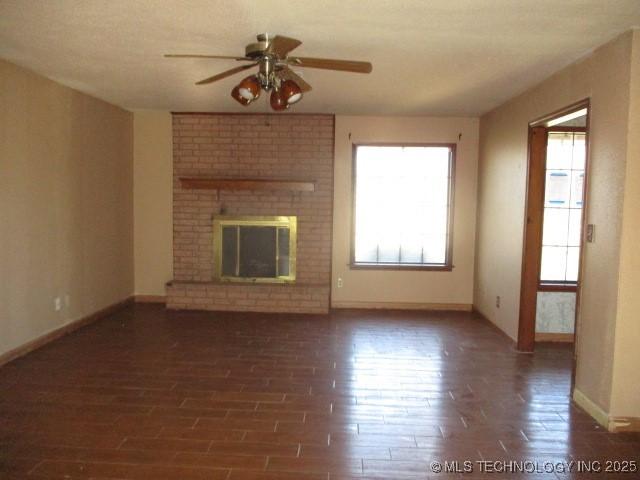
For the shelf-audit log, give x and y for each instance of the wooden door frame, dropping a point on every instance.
(532, 235)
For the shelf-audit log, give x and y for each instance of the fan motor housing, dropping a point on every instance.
(257, 49)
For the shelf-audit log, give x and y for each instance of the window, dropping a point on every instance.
(402, 213)
(562, 225)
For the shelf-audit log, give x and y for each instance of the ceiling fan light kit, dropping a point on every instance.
(270, 54)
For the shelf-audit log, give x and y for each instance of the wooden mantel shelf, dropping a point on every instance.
(205, 183)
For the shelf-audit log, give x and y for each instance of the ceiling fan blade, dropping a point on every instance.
(224, 57)
(280, 45)
(225, 74)
(331, 64)
(287, 74)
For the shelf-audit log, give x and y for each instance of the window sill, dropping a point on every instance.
(400, 267)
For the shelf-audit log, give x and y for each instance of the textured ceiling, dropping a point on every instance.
(430, 57)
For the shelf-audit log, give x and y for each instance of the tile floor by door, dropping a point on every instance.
(151, 394)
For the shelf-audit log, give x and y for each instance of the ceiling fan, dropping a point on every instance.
(271, 55)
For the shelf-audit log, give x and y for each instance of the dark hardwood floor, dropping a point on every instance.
(147, 394)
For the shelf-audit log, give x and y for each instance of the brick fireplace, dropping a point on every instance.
(251, 165)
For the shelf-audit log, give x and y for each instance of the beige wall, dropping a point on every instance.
(65, 205)
(409, 288)
(153, 210)
(604, 77)
(625, 398)
(152, 187)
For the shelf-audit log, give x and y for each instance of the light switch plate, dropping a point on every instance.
(591, 233)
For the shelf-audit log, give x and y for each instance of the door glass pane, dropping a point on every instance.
(575, 227)
(573, 262)
(559, 151)
(557, 188)
(554, 264)
(579, 151)
(556, 226)
(577, 185)
(562, 228)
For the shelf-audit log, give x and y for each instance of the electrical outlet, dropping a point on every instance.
(340, 283)
(57, 304)
(498, 301)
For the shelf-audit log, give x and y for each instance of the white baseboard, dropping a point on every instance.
(591, 408)
(611, 423)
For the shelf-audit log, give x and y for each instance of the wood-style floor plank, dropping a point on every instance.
(151, 394)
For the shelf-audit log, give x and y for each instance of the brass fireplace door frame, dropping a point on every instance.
(254, 221)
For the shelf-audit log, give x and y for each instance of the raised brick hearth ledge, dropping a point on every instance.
(284, 298)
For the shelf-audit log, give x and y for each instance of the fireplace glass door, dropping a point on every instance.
(255, 249)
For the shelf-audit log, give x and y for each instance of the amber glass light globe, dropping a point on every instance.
(291, 91)
(239, 98)
(277, 100)
(249, 88)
